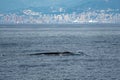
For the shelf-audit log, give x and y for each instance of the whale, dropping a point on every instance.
(66, 53)
(53, 53)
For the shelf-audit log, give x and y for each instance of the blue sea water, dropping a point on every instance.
(99, 43)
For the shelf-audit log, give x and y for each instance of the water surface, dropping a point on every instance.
(100, 42)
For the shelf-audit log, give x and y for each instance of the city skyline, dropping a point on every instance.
(59, 11)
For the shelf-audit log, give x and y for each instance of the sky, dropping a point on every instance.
(7, 5)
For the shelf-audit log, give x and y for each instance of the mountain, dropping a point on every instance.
(59, 11)
(56, 6)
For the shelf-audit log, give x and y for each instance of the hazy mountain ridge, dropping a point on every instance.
(59, 11)
(53, 6)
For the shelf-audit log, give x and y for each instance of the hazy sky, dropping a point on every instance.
(16, 4)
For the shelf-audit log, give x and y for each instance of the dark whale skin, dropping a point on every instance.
(53, 53)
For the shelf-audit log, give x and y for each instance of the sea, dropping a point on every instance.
(98, 43)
